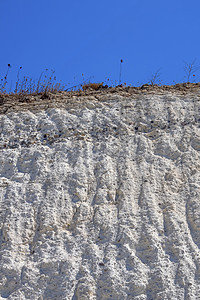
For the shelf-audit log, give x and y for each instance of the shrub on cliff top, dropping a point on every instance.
(93, 86)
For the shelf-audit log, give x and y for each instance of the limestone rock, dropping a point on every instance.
(100, 198)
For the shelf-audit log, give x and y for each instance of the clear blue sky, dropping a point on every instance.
(90, 37)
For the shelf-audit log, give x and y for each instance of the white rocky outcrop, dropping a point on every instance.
(100, 197)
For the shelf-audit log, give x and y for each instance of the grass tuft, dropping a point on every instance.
(27, 86)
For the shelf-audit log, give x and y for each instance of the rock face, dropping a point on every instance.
(99, 197)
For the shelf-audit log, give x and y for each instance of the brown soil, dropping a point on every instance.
(11, 102)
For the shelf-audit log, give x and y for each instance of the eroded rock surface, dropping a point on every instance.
(99, 198)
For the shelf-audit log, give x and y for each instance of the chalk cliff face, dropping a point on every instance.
(99, 196)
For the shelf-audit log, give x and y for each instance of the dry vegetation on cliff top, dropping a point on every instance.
(14, 100)
(47, 89)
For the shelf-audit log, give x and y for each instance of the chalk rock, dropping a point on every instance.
(100, 198)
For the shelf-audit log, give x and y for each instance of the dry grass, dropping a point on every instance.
(47, 83)
(44, 85)
(27, 86)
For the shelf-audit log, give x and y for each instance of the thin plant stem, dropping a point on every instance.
(120, 71)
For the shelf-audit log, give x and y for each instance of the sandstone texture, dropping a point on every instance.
(100, 196)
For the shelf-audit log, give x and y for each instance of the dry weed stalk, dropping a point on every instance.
(190, 69)
(155, 79)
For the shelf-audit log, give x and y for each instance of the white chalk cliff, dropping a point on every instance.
(100, 195)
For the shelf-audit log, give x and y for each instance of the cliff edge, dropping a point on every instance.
(100, 195)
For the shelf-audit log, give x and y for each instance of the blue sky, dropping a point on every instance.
(91, 37)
